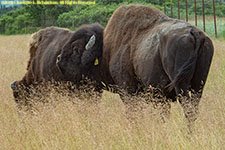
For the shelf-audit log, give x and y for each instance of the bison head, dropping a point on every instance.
(80, 55)
(20, 92)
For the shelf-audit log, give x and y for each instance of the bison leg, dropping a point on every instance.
(164, 109)
(189, 103)
(190, 107)
(134, 107)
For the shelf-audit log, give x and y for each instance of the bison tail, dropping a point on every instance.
(188, 67)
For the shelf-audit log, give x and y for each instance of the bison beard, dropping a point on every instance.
(58, 55)
(143, 47)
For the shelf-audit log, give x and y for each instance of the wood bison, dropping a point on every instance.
(143, 47)
(58, 54)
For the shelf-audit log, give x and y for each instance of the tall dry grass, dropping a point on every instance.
(61, 124)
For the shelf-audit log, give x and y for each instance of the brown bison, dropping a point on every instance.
(57, 54)
(143, 47)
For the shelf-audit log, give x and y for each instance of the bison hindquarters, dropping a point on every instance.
(143, 47)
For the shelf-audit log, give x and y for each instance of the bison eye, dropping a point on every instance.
(75, 48)
(76, 52)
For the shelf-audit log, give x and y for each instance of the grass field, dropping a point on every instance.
(61, 125)
(209, 25)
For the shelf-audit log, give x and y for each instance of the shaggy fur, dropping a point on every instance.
(143, 47)
(45, 47)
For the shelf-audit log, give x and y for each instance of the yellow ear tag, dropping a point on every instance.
(96, 62)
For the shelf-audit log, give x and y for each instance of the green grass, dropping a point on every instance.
(209, 24)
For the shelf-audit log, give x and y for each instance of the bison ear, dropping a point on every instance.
(91, 42)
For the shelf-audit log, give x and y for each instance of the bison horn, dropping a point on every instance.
(91, 42)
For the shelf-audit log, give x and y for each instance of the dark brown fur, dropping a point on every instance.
(47, 44)
(144, 47)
